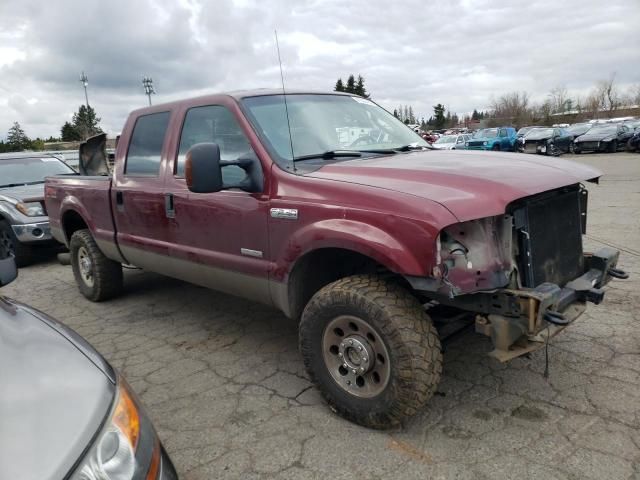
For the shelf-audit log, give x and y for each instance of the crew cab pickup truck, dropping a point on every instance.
(351, 234)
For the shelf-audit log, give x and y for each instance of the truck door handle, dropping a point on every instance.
(168, 205)
(120, 201)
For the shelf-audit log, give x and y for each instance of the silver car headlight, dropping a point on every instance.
(30, 209)
(485, 143)
(127, 447)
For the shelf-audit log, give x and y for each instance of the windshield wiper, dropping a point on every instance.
(329, 154)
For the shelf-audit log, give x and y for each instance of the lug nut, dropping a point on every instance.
(340, 354)
(364, 359)
(344, 365)
(361, 369)
(354, 371)
(350, 342)
(348, 382)
(359, 348)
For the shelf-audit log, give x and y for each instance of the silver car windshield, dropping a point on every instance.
(326, 123)
(24, 171)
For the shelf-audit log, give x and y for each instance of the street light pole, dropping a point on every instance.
(85, 81)
(147, 83)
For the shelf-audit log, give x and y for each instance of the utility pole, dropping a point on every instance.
(85, 81)
(147, 83)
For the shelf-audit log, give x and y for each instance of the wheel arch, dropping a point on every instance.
(322, 266)
(72, 221)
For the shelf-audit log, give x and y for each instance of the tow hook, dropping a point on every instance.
(617, 273)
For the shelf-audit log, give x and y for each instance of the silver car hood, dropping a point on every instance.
(54, 395)
(23, 192)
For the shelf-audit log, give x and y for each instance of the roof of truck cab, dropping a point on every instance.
(237, 95)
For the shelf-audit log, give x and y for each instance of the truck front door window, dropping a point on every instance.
(143, 157)
(214, 124)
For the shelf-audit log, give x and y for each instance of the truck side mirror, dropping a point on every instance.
(8, 270)
(202, 168)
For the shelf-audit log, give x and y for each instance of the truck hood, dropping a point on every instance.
(469, 184)
(24, 192)
(59, 391)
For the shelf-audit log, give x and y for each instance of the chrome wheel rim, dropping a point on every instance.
(356, 356)
(85, 267)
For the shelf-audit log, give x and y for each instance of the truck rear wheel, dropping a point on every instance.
(371, 349)
(98, 277)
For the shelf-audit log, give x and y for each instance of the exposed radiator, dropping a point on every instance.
(548, 230)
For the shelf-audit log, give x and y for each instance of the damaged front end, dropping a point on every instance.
(523, 273)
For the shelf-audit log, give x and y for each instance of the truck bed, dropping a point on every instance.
(66, 197)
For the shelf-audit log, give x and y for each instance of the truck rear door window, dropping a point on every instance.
(145, 148)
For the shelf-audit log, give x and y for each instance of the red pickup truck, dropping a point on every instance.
(330, 209)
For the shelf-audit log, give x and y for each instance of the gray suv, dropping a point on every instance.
(24, 225)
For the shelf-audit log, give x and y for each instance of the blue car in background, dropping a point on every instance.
(498, 138)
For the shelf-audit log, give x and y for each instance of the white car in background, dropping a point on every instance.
(451, 142)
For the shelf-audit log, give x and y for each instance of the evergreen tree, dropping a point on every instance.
(412, 118)
(17, 140)
(339, 86)
(360, 90)
(68, 133)
(395, 112)
(351, 84)
(85, 122)
(475, 115)
(439, 118)
(400, 116)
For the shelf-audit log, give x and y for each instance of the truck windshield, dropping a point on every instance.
(24, 171)
(326, 123)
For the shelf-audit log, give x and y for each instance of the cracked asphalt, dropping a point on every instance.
(225, 386)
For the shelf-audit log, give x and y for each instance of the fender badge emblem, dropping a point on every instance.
(285, 213)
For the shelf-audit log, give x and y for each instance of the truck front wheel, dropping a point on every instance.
(371, 349)
(98, 277)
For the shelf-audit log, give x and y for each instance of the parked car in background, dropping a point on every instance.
(519, 143)
(632, 124)
(606, 137)
(65, 412)
(578, 129)
(24, 225)
(633, 144)
(499, 139)
(548, 141)
(430, 137)
(451, 142)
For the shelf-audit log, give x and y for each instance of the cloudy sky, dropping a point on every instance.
(457, 52)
